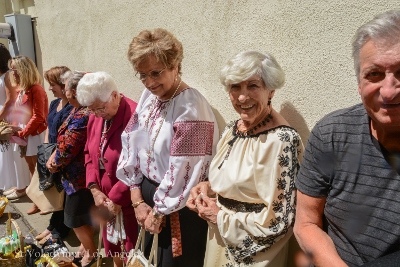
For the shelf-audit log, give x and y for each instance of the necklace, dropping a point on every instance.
(252, 130)
(151, 150)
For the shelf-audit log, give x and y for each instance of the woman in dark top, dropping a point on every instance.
(58, 112)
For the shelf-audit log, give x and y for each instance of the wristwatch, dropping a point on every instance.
(156, 214)
(90, 185)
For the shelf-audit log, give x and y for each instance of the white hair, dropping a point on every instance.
(248, 63)
(384, 29)
(95, 86)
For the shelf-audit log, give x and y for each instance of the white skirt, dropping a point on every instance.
(33, 141)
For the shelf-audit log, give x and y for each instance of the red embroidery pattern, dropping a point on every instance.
(171, 169)
(204, 174)
(175, 234)
(132, 121)
(181, 197)
(192, 138)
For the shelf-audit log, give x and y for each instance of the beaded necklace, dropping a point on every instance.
(244, 134)
(252, 130)
(151, 150)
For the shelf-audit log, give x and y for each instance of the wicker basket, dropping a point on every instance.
(4, 206)
(15, 262)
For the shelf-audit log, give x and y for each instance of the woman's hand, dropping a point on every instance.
(201, 189)
(15, 129)
(51, 163)
(153, 224)
(207, 208)
(142, 212)
(112, 207)
(99, 197)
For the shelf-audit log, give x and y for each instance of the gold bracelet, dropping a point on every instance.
(135, 205)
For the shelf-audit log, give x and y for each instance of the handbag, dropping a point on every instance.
(136, 256)
(47, 201)
(46, 178)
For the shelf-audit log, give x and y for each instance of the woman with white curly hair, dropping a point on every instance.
(111, 112)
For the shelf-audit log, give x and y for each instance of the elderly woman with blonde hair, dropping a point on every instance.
(166, 149)
(249, 200)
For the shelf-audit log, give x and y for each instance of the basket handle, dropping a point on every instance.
(21, 240)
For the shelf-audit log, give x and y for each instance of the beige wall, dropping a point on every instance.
(311, 40)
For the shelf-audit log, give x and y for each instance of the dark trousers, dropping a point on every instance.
(193, 234)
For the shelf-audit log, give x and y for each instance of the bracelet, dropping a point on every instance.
(91, 185)
(135, 205)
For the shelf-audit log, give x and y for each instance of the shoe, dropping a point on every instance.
(43, 234)
(77, 261)
(34, 209)
(9, 191)
(15, 195)
(93, 262)
(45, 239)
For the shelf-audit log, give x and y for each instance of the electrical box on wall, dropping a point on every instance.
(23, 45)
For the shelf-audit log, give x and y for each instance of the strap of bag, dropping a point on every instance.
(100, 244)
(153, 253)
(120, 221)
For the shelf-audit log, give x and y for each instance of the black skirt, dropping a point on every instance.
(77, 208)
(193, 234)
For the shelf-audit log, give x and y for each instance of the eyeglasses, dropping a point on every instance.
(152, 74)
(102, 110)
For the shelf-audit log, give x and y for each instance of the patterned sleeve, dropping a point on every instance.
(72, 141)
(195, 135)
(190, 157)
(128, 169)
(249, 231)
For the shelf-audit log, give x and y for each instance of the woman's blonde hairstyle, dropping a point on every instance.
(27, 72)
(158, 42)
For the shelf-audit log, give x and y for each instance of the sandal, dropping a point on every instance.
(43, 234)
(45, 239)
(34, 209)
(93, 262)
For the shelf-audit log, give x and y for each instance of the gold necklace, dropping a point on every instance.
(151, 150)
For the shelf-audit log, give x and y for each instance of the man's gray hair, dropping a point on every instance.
(383, 29)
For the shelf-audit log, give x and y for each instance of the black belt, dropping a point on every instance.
(239, 206)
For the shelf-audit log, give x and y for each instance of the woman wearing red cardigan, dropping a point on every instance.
(30, 113)
(111, 112)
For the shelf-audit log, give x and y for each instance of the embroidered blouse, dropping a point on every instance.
(71, 142)
(256, 192)
(183, 148)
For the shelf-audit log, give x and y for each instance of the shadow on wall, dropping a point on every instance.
(289, 112)
(220, 120)
(38, 49)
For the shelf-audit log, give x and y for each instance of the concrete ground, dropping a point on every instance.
(36, 223)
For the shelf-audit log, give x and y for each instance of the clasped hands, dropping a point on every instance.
(147, 220)
(103, 202)
(51, 163)
(202, 201)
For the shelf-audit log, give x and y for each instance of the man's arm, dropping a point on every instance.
(308, 231)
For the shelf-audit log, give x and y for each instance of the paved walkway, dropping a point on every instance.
(37, 223)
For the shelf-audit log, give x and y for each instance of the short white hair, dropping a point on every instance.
(248, 63)
(95, 86)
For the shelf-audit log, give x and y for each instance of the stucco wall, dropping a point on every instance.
(310, 39)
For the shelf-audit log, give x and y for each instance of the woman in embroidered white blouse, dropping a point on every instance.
(249, 200)
(167, 149)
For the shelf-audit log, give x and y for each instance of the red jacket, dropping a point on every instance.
(117, 191)
(33, 111)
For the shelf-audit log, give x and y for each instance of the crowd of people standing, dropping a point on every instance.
(214, 199)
